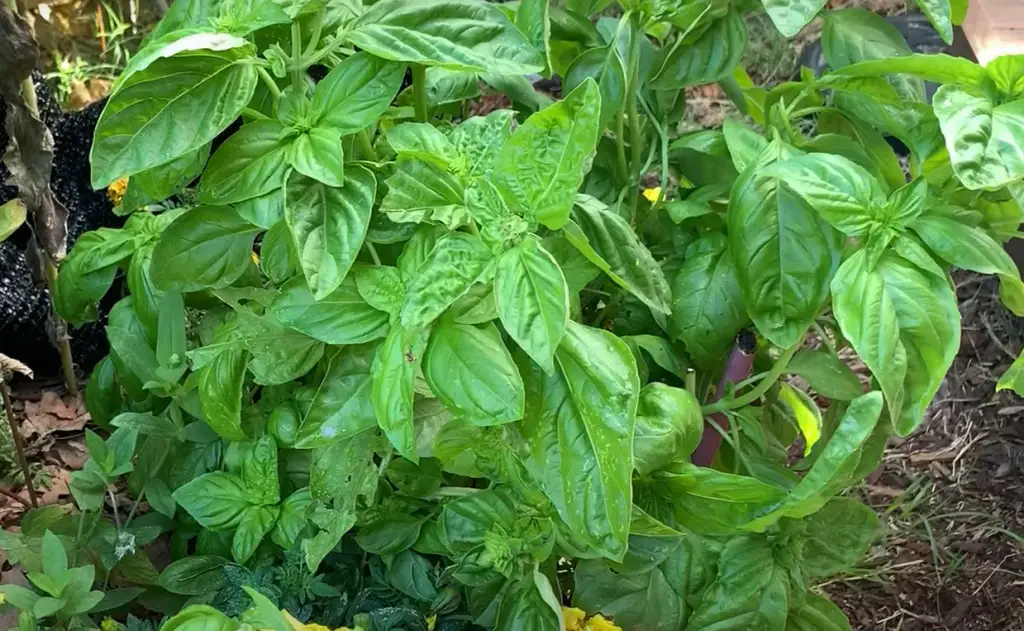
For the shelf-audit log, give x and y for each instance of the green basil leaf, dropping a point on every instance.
(472, 373)
(853, 35)
(328, 225)
(256, 523)
(785, 255)
(419, 191)
(146, 298)
(318, 154)
(827, 374)
(479, 139)
(910, 337)
(541, 166)
(443, 86)
(817, 613)
(936, 68)
(200, 618)
(871, 141)
(344, 471)
(746, 566)
(661, 351)
(412, 575)
(842, 192)
(356, 92)
(529, 604)
(456, 262)
(278, 259)
(707, 302)
(712, 57)
(603, 66)
(279, 355)
(216, 500)
(425, 142)
(12, 215)
(341, 317)
(978, 131)
(251, 162)
(194, 575)
(390, 534)
(613, 245)
(838, 536)
(940, 14)
(220, 384)
(634, 601)
(745, 145)
(343, 404)
(532, 300)
(455, 34)
(208, 246)
(963, 246)
(393, 386)
(102, 393)
(176, 105)
(381, 286)
(500, 228)
(579, 429)
(159, 183)
(88, 271)
(131, 351)
(148, 425)
(1012, 379)
(669, 425)
(264, 211)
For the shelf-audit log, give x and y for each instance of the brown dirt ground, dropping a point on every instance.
(951, 555)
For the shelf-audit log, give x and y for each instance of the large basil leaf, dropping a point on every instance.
(472, 373)
(817, 613)
(936, 68)
(603, 66)
(356, 92)
(394, 381)
(342, 406)
(579, 428)
(635, 601)
(209, 246)
(838, 535)
(940, 14)
(328, 225)
(252, 162)
(610, 243)
(712, 57)
(88, 271)
(909, 336)
(704, 500)
(216, 500)
(983, 137)
(256, 523)
(669, 425)
(220, 386)
(317, 154)
(529, 604)
(785, 255)
(853, 35)
(479, 139)
(176, 105)
(963, 246)
(341, 317)
(751, 590)
(532, 300)
(790, 16)
(457, 34)
(540, 167)
(131, 350)
(419, 191)
(707, 302)
(292, 519)
(456, 262)
(145, 296)
(827, 374)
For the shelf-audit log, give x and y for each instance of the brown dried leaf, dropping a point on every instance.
(9, 365)
(53, 414)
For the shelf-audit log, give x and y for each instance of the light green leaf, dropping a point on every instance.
(963, 246)
(176, 105)
(251, 162)
(936, 68)
(853, 35)
(12, 215)
(532, 300)
(328, 225)
(745, 145)
(341, 317)
(208, 246)
(669, 425)
(456, 262)
(785, 255)
(420, 192)
(909, 336)
(469, 369)
(394, 381)
(356, 92)
(318, 154)
(456, 34)
(200, 617)
(707, 302)
(278, 259)
(940, 15)
(342, 406)
(611, 243)
(540, 167)
(838, 535)
(88, 271)
(529, 604)
(479, 139)
(256, 523)
(817, 613)
(805, 413)
(827, 374)
(220, 386)
(216, 500)
(982, 138)
(790, 16)
(532, 20)
(1013, 378)
(579, 426)
(712, 57)
(603, 66)
(381, 286)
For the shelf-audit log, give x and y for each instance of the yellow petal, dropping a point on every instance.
(806, 413)
(600, 623)
(255, 258)
(573, 618)
(431, 622)
(652, 194)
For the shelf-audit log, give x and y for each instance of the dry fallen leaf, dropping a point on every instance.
(53, 414)
(72, 453)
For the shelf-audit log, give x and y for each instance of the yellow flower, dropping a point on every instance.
(255, 258)
(3, 598)
(652, 194)
(573, 618)
(116, 190)
(109, 624)
(600, 623)
(431, 622)
(310, 626)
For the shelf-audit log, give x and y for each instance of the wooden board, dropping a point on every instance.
(995, 28)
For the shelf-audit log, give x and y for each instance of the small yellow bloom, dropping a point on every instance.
(109, 624)
(573, 618)
(652, 194)
(311, 626)
(600, 623)
(431, 622)
(3, 598)
(116, 190)
(255, 258)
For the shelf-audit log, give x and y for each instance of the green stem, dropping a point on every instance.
(690, 381)
(334, 46)
(318, 27)
(635, 140)
(251, 113)
(419, 91)
(19, 447)
(373, 253)
(142, 491)
(759, 391)
(620, 144)
(296, 60)
(366, 145)
(823, 336)
(451, 491)
(269, 82)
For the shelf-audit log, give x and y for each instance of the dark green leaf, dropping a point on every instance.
(342, 406)
(341, 317)
(827, 374)
(603, 66)
(356, 92)
(208, 246)
(838, 536)
(713, 56)
(194, 575)
(216, 500)
(853, 35)
(669, 425)
(394, 378)
(251, 162)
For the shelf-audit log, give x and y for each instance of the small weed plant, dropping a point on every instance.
(382, 364)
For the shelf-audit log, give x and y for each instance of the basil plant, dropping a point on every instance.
(487, 352)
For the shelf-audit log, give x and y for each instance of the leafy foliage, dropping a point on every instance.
(385, 365)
